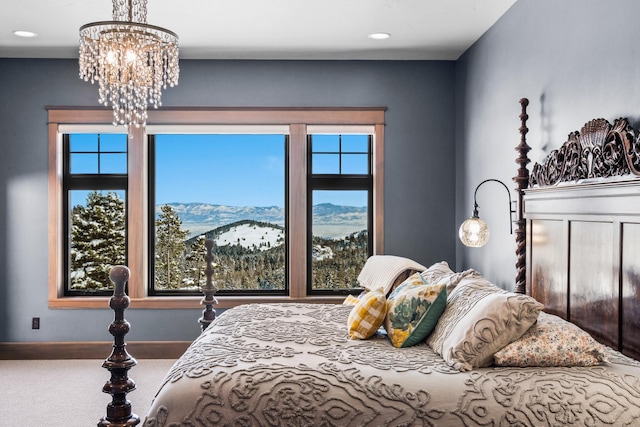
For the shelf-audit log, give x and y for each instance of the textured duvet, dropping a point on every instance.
(294, 365)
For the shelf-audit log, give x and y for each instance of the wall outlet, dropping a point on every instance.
(35, 323)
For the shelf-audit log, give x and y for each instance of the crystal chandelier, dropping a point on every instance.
(131, 60)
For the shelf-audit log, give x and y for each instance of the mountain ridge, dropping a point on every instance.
(334, 220)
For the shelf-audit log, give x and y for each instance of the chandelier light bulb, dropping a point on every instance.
(131, 56)
(111, 57)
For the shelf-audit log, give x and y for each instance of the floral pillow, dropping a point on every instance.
(479, 320)
(413, 309)
(367, 315)
(552, 341)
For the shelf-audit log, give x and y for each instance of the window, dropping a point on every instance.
(94, 200)
(221, 186)
(340, 188)
(310, 170)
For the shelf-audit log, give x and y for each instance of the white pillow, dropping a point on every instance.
(381, 271)
(479, 320)
(441, 272)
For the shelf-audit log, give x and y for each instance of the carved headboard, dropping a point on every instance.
(582, 214)
(598, 150)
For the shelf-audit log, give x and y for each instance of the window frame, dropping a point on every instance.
(84, 181)
(215, 130)
(61, 119)
(337, 181)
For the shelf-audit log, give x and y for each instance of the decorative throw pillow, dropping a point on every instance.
(479, 320)
(367, 315)
(350, 300)
(413, 309)
(381, 271)
(441, 272)
(552, 341)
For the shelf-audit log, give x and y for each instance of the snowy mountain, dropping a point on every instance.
(250, 235)
(218, 215)
(328, 213)
(329, 220)
(262, 236)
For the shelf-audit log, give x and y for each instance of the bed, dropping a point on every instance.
(560, 352)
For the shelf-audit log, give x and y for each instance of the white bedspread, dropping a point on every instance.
(293, 365)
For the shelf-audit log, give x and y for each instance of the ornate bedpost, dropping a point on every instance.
(209, 289)
(522, 182)
(119, 362)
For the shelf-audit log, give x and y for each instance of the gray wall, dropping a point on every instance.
(575, 60)
(419, 173)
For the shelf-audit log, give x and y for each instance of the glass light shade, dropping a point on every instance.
(474, 232)
(131, 60)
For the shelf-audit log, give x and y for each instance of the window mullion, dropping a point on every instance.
(137, 214)
(297, 232)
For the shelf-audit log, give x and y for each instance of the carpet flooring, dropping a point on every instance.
(45, 393)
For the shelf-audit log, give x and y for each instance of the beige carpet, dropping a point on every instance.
(45, 393)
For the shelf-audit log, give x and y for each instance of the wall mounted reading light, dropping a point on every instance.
(474, 232)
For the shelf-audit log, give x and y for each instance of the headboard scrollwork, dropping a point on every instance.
(598, 150)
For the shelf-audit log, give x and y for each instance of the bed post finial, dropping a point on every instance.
(522, 182)
(209, 289)
(119, 362)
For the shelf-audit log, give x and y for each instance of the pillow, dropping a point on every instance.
(441, 272)
(350, 300)
(552, 341)
(367, 315)
(380, 271)
(413, 309)
(479, 320)
(401, 278)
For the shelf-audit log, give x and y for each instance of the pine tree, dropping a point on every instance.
(195, 263)
(98, 240)
(170, 249)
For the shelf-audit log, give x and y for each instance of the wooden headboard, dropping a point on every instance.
(582, 215)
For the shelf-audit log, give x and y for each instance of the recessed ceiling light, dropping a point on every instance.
(23, 33)
(379, 36)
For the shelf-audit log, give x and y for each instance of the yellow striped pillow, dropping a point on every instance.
(350, 300)
(367, 315)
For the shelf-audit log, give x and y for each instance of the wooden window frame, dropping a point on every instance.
(296, 118)
(84, 181)
(337, 181)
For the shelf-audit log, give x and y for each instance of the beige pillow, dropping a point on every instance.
(552, 341)
(479, 320)
(440, 272)
(381, 271)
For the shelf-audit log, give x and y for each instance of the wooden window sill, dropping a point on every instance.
(186, 302)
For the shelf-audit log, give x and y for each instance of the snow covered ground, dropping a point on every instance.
(252, 235)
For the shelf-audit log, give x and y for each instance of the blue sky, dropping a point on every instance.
(234, 170)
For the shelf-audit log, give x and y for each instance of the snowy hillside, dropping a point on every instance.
(262, 236)
(251, 235)
(321, 253)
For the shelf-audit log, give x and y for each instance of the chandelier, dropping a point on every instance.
(131, 60)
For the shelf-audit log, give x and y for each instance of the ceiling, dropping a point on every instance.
(273, 29)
